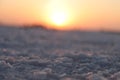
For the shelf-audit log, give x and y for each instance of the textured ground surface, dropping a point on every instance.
(36, 54)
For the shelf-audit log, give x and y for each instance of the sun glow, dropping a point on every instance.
(59, 18)
(58, 15)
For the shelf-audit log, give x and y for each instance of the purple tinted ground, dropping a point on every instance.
(39, 54)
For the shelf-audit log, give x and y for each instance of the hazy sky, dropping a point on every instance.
(79, 14)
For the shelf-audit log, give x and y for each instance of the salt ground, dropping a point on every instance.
(38, 54)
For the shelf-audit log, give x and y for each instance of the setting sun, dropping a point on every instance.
(58, 15)
(59, 18)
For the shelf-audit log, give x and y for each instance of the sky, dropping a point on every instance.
(63, 14)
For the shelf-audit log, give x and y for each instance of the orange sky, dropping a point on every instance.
(77, 14)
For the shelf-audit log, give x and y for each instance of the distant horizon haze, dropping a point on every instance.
(63, 14)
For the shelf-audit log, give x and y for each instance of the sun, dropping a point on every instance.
(58, 18)
(58, 15)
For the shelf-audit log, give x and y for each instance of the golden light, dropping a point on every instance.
(59, 18)
(58, 15)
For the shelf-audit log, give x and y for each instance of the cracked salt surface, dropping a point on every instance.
(36, 54)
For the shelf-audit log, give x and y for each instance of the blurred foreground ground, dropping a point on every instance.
(38, 54)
